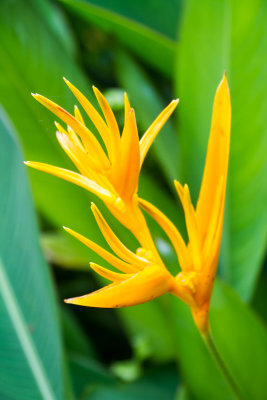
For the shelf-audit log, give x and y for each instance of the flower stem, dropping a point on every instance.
(207, 337)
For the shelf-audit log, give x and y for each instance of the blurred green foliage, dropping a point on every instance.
(155, 50)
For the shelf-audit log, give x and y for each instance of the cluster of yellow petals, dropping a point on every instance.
(112, 173)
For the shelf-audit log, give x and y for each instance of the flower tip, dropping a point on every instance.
(65, 228)
(58, 135)
(224, 80)
(96, 91)
(26, 162)
(93, 206)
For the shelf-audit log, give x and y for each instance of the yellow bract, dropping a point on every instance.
(204, 224)
(114, 169)
(112, 173)
(143, 276)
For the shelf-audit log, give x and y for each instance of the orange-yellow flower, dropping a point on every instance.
(142, 275)
(199, 258)
(112, 172)
(113, 176)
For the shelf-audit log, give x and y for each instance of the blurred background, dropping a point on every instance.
(156, 51)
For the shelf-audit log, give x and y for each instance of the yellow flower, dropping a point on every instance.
(112, 173)
(199, 258)
(144, 277)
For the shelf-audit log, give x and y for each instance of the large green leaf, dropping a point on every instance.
(31, 356)
(241, 339)
(88, 373)
(157, 384)
(218, 36)
(144, 41)
(33, 59)
(148, 105)
(161, 16)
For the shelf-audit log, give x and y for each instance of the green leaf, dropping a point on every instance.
(148, 331)
(157, 384)
(32, 59)
(148, 104)
(161, 16)
(218, 36)
(241, 339)
(59, 250)
(194, 360)
(31, 356)
(55, 21)
(75, 339)
(144, 41)
(87, 373)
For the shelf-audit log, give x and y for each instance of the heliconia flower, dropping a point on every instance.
(199, 257)
(142, 275)
(112, 172)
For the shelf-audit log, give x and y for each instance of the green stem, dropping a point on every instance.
(207, 337)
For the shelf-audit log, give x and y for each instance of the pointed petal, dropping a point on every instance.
(171, 231)
(114, 132)
(125, 173)
(191, 225)
(83, 162)
(110, 258)
(78, 115)
(151, 282)
(110, 275)
(92, 114)
(77, 179)
(60, 128)
(90, 142)
(151, 133)
(209, 243)
(216, 163)
(127, 107)
(115, 244)
(75, 139)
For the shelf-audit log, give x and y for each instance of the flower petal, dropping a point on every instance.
(116, 245)
(125, 173)
(151, 133)
(78, 115)
(216, 163)
(195, 243)
(108, 274)
(153, 281)
(127, 106)
(92, 113)
(171, 231)
(114, 132)
(90, 142)
(75, 139)
(77, 179)
(83, 161)
(210, 245)
(110, 258)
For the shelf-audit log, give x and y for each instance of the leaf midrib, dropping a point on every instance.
(24, 337)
